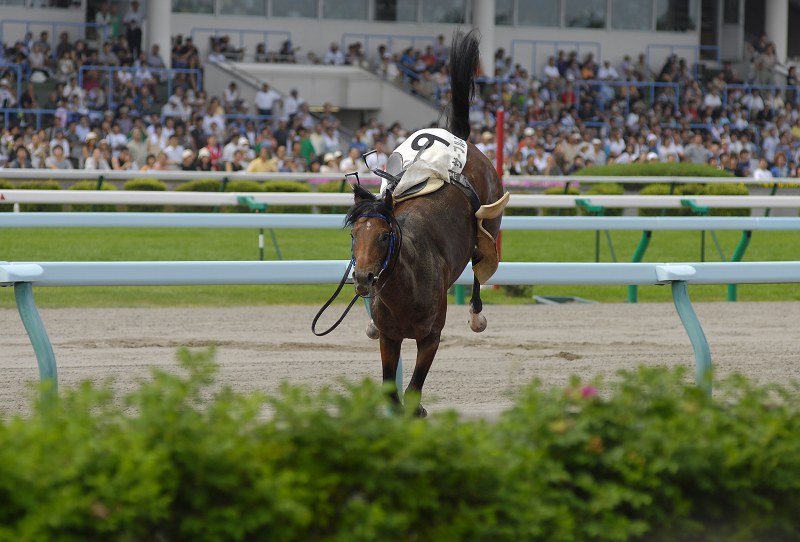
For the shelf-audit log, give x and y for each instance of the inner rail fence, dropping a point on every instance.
(23, 276)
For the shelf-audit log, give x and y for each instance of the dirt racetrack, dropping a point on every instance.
(259, 347)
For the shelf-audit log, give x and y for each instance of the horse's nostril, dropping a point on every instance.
(371, 278)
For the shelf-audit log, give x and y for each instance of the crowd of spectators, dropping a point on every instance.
(578, 112)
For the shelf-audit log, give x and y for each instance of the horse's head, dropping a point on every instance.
(376, 238)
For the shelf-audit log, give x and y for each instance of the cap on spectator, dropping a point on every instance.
(244, 142)
(596, 141)
(204, 153)
(529, 131)
(90, 135)
(652, 156)
(574, 135)
(652, 137)
(188, 153)
(4, 82)
(331, 156)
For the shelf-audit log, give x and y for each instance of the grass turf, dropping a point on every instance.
(117, 244)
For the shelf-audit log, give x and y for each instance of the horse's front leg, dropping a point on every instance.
(390, 358)
(426, 350)
(477, 321)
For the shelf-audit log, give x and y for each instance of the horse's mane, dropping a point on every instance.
(464, 57)
(366, 203)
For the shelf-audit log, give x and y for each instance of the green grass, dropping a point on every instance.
(78, 244)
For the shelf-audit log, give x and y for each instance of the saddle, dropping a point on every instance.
(423, 164)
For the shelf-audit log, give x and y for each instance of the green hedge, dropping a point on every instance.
(695, 189)
(198, 185)
(40, 207)
(606, 189)
(559, 191)
(334, 187)
(6, 185)
(183, 458)
(145, 185)
(287, 186)
(89, 184)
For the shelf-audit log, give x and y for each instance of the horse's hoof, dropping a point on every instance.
(477, 322)
(421, 412)
(372, 331)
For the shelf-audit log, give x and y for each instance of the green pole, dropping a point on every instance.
(644, 242)
(772, 193)
(98, 186)
(45, 357)
(702, 353)
(738, 254)
(458, 290)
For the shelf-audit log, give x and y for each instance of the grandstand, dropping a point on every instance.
(275, 85)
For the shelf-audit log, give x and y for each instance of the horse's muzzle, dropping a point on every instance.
(364, 281)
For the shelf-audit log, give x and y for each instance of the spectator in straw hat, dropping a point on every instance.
(188, 162)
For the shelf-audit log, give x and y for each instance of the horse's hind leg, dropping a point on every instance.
(477, 321)
(390, 358)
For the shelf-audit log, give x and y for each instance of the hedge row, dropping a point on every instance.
(181, 458)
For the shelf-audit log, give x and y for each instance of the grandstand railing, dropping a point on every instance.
(38, 113)
(697, 49)
(264, 35)
(748, 89)
(110, 70)
(394, 42)
(551, 48)
(650, 85)
(51, 26)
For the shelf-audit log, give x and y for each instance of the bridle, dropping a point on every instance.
(388, 267)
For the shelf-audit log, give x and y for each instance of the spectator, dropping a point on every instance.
(133, 28)
(96, 161)
(104, 21)
(149, 163)
(262, 163)
(204, 160)
(154, 58)
(22, 159)
(188, 162)
(762, 172)
(333, 56)
(57, 160)
(123, 161)
(265, 99)
(696, 152)
(235, 164)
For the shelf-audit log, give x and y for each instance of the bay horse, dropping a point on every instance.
(407, 254)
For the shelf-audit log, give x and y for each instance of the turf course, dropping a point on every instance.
(79, 244)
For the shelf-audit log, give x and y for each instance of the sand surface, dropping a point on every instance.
(260, 347)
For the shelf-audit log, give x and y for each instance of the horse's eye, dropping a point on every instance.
(384, 237)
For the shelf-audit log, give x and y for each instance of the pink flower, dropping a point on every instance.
(588, 391)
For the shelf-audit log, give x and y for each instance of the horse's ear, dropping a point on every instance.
(388, 200)
(360, 194)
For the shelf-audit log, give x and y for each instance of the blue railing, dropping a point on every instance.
(51, 26)
(549, 48)
(110, 70)
(651, 85)
(748, 89)
(262, 36)
(395, 43)
(696, 49)
(38, 113)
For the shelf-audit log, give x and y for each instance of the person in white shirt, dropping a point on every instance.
(104, 21)
(96, 161)
(762, 172)
(133, 28)
(116, 138)
(551, 70)
(292, 103)
(174, 152)
(353, 162)
(333, 56)
(265, 99)
(607, 72)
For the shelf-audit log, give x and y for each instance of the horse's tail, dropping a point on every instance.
(464, 57)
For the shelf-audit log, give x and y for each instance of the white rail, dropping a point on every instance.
(216, 199)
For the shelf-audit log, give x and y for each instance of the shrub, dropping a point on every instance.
(6, 185)
(558, 191)
(728, 189)
(198, 185)
(145, 185)
(92, 185)
(334, 187)
(40, 207)
(606, 189)
(242, 186)
(182, 458)
(287, 186)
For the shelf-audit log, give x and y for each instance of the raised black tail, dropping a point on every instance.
(464, 57)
